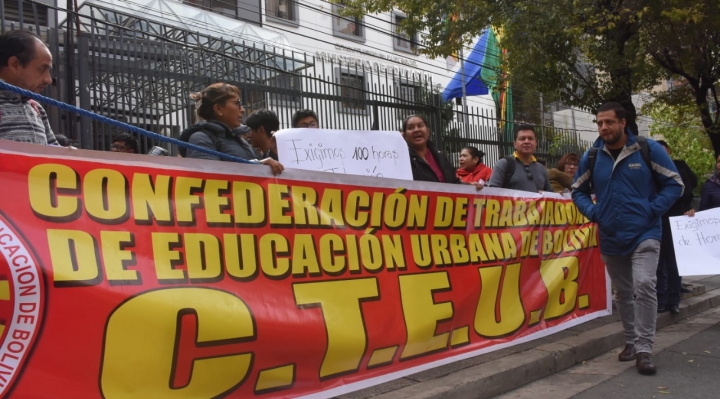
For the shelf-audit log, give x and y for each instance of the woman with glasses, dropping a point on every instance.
(220, 107)
(561, 179)
(427, 163)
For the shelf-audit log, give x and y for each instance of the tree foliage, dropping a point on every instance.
(526, 105)
(582, 52)
(681, 127)
(563, 142)
(683, 38)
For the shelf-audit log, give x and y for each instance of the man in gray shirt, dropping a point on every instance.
(528, 174)
(25, 62)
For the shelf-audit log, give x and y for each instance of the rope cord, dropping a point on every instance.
(122, 125)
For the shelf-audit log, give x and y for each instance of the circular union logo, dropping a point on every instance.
(21, 299)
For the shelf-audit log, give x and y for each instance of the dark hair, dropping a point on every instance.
(525, 126)
(405, 121)
(613, 106)
(567, 158)
(475, 153)
(265, 118)
(301, 114)
(20, 44)
(242, 130)
(216, 93)
(62, 140)
(128, 139)
(663, 143)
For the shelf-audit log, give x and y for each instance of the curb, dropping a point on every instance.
(507, 373)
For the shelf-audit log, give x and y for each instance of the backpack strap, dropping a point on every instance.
(509, 170)
(645, 152)
(592, 159)
(185, 136)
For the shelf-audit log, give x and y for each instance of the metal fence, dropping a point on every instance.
(141, 71)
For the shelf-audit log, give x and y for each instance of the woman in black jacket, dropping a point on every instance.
(710, 196)
(427, 163)
(221, 108)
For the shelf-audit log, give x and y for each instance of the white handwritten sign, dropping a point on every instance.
(350, 152)
(697, 242)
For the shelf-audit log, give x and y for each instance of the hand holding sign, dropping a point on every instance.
(364, 153)
(697, 242)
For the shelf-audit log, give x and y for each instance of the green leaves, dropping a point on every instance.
(680, 125)
(582, 52)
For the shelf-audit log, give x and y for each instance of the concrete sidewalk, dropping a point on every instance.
(687, 355)
(504, 370)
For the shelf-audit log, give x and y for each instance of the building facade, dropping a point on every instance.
(138, 61)
(365, 54)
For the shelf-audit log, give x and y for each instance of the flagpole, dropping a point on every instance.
(466, 124)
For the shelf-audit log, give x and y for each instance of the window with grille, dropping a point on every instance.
(352, 91)
(289, 90)
(407, 93)
(37, 15)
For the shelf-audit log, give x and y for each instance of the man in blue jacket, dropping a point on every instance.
(632, 193)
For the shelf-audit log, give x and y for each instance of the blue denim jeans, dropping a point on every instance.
(635, 276)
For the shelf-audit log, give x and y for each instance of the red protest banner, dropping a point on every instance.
(137, 276)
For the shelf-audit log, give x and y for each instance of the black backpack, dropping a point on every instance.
(644, 153)
(207, 128)
(509, 170)
(187, 133)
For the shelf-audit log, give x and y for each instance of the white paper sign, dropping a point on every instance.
(350, 152)
(697, 242)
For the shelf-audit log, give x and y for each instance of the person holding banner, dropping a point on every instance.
(263, 124)
(710, 195)
(427, 163)
(472, 169)
(125, 142)
(25, 62)
(521, 170)
(632, 193)
(221, 108)
(305, 118)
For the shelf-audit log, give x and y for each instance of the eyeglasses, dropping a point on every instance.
(529, 174)
(116, 147)
(237, 102)
(571, 165)
(311, 125)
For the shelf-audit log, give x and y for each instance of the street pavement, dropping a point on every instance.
(561, 365)
(687, 355)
